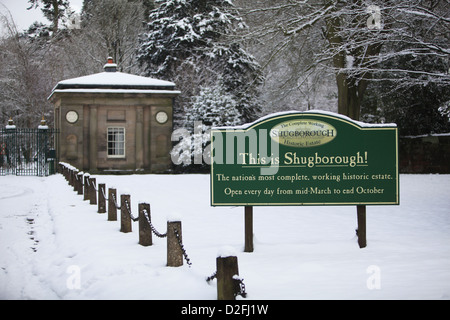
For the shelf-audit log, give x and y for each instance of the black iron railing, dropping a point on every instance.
(28, 152)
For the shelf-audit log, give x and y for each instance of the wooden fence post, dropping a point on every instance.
(145, 232)
(112, 208)
(101, 198)
(86, 187)
(174, 252)
(92, 191)
(125, 218)
(75, 180)
(80, 182)
(71, 178)
(227, 268)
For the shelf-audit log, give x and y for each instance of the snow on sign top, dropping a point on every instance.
(112, 80)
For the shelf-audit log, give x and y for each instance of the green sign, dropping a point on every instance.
(305, 158)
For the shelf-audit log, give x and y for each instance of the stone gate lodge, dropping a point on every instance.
(114, 122)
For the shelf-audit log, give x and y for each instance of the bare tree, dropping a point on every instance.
(32, 62)
(23, 78)
(354, 39)
(111, 28)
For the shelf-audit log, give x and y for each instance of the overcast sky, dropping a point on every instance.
(23, 17)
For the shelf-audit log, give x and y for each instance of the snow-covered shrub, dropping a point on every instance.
(213, 107)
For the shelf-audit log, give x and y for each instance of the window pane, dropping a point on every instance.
(116, 142)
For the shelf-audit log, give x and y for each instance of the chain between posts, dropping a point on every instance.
(188, 261)
(240, 287)
(239, 284)
(104, 195)
(147, 216)
(211, 277)
(127, 205)
(159, 235)
(115, 202)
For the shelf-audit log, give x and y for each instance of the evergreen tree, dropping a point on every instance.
(418, 106)
(53, 10)
(214, 108)
(186, 42)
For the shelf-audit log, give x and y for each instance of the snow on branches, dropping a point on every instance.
(189, 42)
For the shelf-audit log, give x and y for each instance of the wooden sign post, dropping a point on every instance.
(248, 226)
(361, 231)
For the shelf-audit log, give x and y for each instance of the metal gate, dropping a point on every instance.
(27, 152)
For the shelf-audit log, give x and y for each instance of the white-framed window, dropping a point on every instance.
(116, 142)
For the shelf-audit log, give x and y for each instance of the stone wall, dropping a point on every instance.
(425, 154)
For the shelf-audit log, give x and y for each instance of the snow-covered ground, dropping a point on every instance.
(54, 245)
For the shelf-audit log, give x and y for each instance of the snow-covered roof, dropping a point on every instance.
(135, 91)
(112, 81)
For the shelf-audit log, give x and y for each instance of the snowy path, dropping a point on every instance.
(23, 202)
(53, 245)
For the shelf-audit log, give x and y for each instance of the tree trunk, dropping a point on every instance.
(349, 98)
(351, 88)
(55, 16)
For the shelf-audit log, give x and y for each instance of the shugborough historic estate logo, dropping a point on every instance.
(303, 133)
